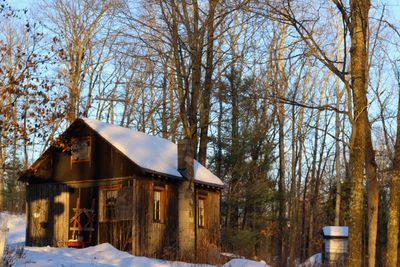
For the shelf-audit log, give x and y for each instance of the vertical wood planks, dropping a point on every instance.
(47, 212)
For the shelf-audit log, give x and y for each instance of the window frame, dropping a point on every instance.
(74, 143)
(161, 190)
(102, 201)
(202, 196)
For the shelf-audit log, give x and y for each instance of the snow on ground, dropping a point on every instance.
(103, 255)
(16, 224)
(314, 261)
(245, 263)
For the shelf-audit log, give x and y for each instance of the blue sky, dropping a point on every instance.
(21, 3)
(392, 5)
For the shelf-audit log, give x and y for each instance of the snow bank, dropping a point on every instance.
(314, 261)
(245, 263)
(16, 224)
(103, 255)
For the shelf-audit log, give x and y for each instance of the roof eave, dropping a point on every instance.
(219, 186)
(149, 171)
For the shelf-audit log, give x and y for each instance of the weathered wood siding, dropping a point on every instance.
(48, 214)
(208, 237)
(105, 162)
(155, 239)
(118, 230)
(50, 208)
(86, 193)
(117, 233)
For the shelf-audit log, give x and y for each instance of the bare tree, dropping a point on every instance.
(81, 33)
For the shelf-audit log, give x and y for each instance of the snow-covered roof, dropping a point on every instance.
(335, 231)
(151, 153)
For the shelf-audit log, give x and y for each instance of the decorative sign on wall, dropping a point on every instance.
(80, 149)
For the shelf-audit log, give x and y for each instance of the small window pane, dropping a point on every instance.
(157, 205)
(201, 212)
(110, 204)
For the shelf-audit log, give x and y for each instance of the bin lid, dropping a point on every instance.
(335, 231)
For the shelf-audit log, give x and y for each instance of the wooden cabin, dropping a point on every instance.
(335, 244)
(104, 183)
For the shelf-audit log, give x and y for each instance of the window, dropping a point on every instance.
(108, 206)
(80, 149)
(157, 211)
(201, 212)
(202, 209)
(124, 204)
(159, 203)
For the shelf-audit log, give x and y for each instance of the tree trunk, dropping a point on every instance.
(359, 10)
(281, 185)
(195, 56)
(234, 209)
(313, 184)
(1, 183)
(220, 111)
(339, 94)
(293, 193)
(281, 93)
(373, 197)
(164, 120)
(393, 215)
(337, 168)
(205, 101)
(296, 244)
